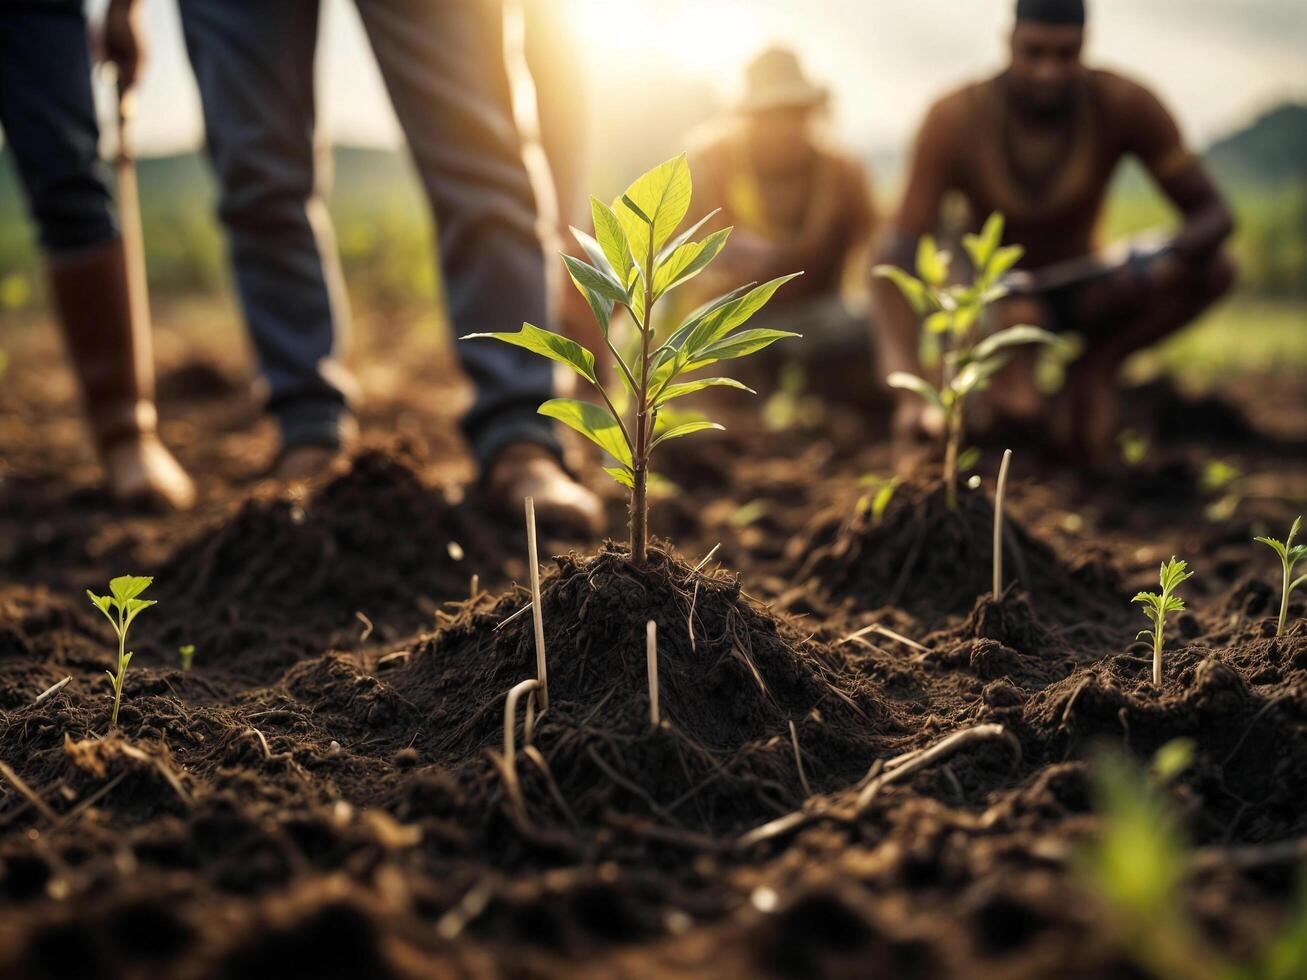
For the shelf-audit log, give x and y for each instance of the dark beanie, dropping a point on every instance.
(1052, 11)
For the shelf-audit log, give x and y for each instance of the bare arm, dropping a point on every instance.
(1155, 138)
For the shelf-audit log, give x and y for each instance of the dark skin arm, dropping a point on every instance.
(1150, 133)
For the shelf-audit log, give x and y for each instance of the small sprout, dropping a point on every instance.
(188, 656)
(1134, 447)
(1171, 576)
(1290, 554)
(953, 315)
(120, 607)
(878, 496)
(635, 260)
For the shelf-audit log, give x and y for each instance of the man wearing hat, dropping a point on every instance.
(1040, 142)
(795, 203)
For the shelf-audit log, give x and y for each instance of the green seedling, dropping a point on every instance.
(954, 316)
(187, 653)
(1139, 869)
(880, 491)
(120, 607)
(1171, 576)
(634, 262)
(1134, 447)
(1290, 554)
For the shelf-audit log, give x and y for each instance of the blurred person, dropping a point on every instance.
(444, 67)
(796, 202)
(1040, 142)
(48, 114)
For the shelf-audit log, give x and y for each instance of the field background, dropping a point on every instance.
(385, 236)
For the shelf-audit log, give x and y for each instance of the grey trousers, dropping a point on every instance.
(443, 65)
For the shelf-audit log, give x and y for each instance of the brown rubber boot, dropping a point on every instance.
(111, 353)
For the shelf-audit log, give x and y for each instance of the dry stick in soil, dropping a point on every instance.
(884, 774)
(633, 262)
(537, 614)
(798, 760)
(998, 523)
(530, 687)
(651, 658)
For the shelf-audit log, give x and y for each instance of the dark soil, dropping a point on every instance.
(324, 794)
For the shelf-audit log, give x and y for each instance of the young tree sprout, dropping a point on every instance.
(954, 314)
(187, 654)
(1171, 575)
(1290, 554)
(120, 607)
(635, 262)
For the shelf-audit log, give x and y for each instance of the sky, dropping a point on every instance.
(1215, 62)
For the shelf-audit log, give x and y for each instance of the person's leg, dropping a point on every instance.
(48, 114)
(253, 60)
(1160, 308)
(444, 66)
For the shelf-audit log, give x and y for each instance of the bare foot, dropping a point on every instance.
(141, 471)
(528, 470)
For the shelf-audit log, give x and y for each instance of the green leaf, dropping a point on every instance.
(976, 375)
(1011, 337)
(678, 337)
(548, 344)
(912, 288)
(981, 247)
(676, 431)
(622, 475)
(932, 264)
(1276, 546)
(690, 387)
(737, 345)
(594, 422)
(940, 321)
(1003, 260)
(659, 198)
(595, 252)
(588, 277)
(126, 587)
(910, 382)
(688, 261)
(134, 607)
(685, 236)
(612, 239)
(721, 321)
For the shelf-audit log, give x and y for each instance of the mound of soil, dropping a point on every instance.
(732, 676)
(269, 583)
(933, 561)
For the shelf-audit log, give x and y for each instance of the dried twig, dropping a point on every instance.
(706, 558)
(907, 764)
(886, 632)
(28, 793)
(528, 686)
(541, 670)
(798, 759)
(998, 523)
(651, 660)
(367, 625)
(52, 690)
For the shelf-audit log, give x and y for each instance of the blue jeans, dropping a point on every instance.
(48, 116)
(443, 65)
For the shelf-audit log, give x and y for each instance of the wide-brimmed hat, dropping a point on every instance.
(775, 80)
